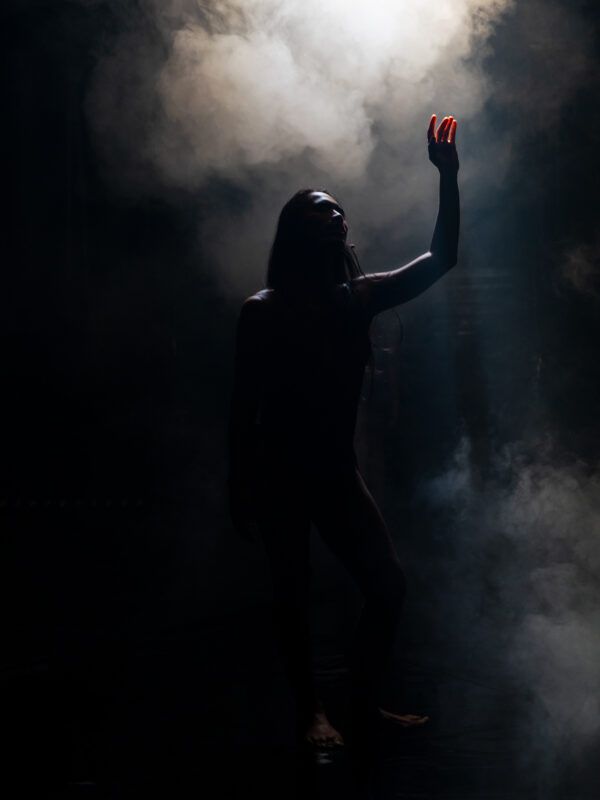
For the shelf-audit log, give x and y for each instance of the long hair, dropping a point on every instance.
(290, 254)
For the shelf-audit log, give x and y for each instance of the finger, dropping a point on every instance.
(452, 134)
(440, 130)
(431, 128)
(446, 130)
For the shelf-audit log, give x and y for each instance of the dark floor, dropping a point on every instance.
(211, 708)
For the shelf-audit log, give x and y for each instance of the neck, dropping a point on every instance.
(324, 268)
(317, 271)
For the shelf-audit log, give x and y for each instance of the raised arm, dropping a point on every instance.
(383, 290)
(245, 402)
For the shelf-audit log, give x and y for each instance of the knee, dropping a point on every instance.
(388, 591)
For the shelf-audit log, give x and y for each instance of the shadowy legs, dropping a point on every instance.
(351, 524)
(286, 537)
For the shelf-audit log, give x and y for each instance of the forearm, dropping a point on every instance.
(387, 289)
(444, 244)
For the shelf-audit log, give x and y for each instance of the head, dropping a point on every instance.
(310, 243)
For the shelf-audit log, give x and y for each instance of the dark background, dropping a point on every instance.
(133, 616)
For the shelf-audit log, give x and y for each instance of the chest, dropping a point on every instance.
(329, 346)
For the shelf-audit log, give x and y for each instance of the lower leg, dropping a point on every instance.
(293, 637)
(379, 681)
(371, 656)
(378, 685)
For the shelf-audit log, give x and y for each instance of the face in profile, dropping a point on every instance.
(323, 219)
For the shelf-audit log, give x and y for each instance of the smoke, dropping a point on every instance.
(527, 557)
(268, 96)
(238, 85)
(580, 269)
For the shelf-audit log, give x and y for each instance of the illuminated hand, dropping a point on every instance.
(442, 144)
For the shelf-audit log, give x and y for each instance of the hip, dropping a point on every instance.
(280, 458)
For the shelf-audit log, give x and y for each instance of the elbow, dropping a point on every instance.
(445, 261)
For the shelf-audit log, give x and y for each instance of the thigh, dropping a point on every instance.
(284, 524)
(350, 522)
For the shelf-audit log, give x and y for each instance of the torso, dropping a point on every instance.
(314, 365)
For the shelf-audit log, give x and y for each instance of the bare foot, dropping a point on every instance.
(321, 732)
(406, 720)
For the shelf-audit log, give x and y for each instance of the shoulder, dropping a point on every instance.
(263, 297)
(361, 291)
(363, 285)
(256, 308)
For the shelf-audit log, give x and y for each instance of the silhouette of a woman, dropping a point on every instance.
(302, 346)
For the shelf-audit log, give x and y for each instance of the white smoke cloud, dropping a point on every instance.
(273, 95)
(527, 544)
(262, 81)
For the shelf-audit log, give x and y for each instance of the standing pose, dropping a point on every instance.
(302, 347)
